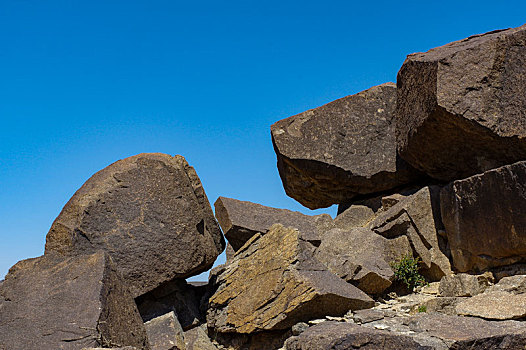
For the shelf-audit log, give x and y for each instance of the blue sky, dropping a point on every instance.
(85, 83)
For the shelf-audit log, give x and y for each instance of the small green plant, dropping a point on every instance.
(406, 271)
(422, 308)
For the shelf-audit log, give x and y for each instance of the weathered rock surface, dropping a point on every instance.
(330, 154)
(495, 305)
(484, 218)
(512, 284)
(273, 282)
(461, 107)
(240, 220)
(150, 213)
(165, 333)
(361, 257)
(417, 216)
(464, 285)
(340, 335)
(54, 303)
(178, 296)
(197, 339)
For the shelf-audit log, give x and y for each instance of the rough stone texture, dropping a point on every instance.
(497, 305)
(330, 154)
(417, 216)
(461, 108)
(273, 282)
(444, 305)
(339, 336)
(176, 295)
(55, 303)
(356, 215)
(469, 332)
(484, 218)
(197, 339)
(367, 315)
(123, 348)
(464, 285)
(512, 284)
(165, 333)
(150, 213)
(229, 252)
(240, 220)
(359, 256)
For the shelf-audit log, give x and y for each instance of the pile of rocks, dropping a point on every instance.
(432, 168)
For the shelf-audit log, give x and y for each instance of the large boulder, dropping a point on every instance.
(240, 220)
(484, 218)
(416, 216)
(461, 108)
(340, 150)
(150, 213)
(273, 282)
(362, 257)
(55, 303)
(494, 305)
(340, 335)
(464, 285)
(165, 333)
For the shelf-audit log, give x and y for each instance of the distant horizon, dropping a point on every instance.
(85, 85)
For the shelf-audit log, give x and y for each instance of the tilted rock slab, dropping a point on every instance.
(461, 108)
(341, 335)
(484, 218)
(464, 285)
(332, 153)
(494, 305)
(417, 217)
(150, 213)
(197, 339)
(273, 282)
(54, 303)
(362, 257)
(240, 220)
(165, 333)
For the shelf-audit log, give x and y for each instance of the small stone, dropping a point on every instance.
(366, 316)
(299, 328)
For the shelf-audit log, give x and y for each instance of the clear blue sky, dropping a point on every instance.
(85, 83)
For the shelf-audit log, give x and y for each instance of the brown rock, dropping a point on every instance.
(497, 305)
(241, 220)
(197, 339)
(461, 108)
(417, 217)
(54, 303)
(340, 335)
(150, 213)
(273, 282)
(464, 285)
(165, 333)
(512, 284)
(484, 218)
(359, 256)
(345, 148)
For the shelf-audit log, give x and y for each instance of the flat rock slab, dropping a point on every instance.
(497, 305)
(150, 213)
(461, 108)
(240, 220)
(484, 218)
(197, 339)
(55, 303)
(330, 154)
(464, 285)
(274, 282)
(165, 333)
(340, 335)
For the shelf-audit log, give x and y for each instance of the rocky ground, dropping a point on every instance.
(428, 250)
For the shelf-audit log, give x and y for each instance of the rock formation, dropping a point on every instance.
(333, 153)
(150, 213)
(461, 108)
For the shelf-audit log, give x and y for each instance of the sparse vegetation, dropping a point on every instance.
(422, 308)
(406, 271)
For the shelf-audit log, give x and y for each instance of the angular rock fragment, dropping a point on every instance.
(494, 305)
(165, 333)
(274, 282)
(512, 284)
(484, 218)
(150, 213)
(55, 303)
(340, 335)
(178, 296)
(417, 217)
(361, 257)
(464, 285)
(240, 220)
(461, 108)
(197, 339)
(330, 154)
